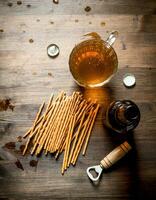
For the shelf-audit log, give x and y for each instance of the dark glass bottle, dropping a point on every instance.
(122, 116)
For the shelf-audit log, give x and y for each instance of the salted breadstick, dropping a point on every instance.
(33, 127)
(36, 126)
(59, 123)
(60, 96)
(77, 151)
(65, 153)
(44, 117)
(59, 128)
(62, 147)
(82, 112)
(61, 106)
(29, 139)
(38, 115)
(36, 119)
(46, 128)
(87, 132)
(38, 135)
(53, 120)
(51, 125)
(37, 123)
(81, 109)
(76, 137)
(44, 139)
(90, 129)
(91, 104)
(50, 146)
(65, 124)
(27, 133)
(43, 134)
(85, 108)
(81, 137)
(69, 140)
(74, 110)
(26, 146)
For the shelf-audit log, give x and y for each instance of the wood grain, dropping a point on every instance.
(28, 76)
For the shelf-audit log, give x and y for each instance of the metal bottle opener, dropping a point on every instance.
(109, 160)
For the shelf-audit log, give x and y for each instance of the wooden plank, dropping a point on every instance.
(32, 184)
(77, 7)
(130, 37)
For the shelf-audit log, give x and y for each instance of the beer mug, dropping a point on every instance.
(94, 62)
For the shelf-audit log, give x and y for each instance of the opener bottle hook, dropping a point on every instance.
(109, 160)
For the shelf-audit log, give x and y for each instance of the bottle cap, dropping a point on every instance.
(53, 50)
(129, 80)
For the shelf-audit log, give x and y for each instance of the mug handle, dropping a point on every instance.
(111, 39)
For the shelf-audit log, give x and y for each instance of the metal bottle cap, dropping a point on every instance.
(129, 80)
(53, 50)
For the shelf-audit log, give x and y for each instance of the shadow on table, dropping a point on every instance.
(137, 188)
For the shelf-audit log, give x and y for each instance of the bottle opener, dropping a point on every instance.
(109, 160)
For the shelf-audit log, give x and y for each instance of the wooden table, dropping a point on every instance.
(28, 76)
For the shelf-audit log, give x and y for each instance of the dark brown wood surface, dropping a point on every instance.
(28, 76)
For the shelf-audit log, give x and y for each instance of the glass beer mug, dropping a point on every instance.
(93, 62)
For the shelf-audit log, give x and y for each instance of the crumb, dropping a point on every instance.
(52, 22)
(31, 40)
(10, 145)
(76, 20)
(50, 74)
(6, 104)
(33, 163)
(19, 165)
(28, 6)
(38, 20)
(1, 30)
(19, 138)
(90, 22)
(22, 147)
(19, 2)
(56, 1)
(87, 8)
(123, 45)
(10, 4)
(103, 23)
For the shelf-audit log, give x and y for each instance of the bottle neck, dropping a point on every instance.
(120, 114)
(123, 116)
(126, 113)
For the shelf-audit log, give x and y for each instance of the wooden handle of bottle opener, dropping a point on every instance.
(115, 155)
